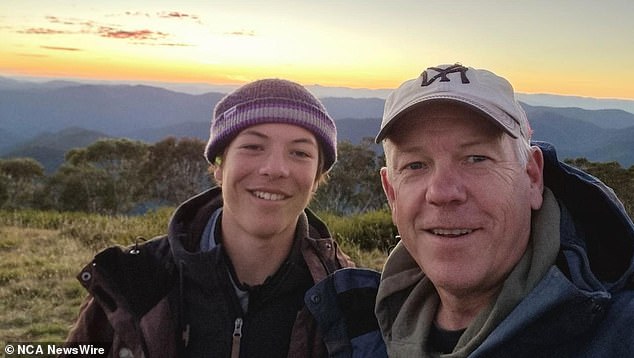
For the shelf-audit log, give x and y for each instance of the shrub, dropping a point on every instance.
(370, 230)
(92, 230)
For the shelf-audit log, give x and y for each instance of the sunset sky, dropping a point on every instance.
(573, 47)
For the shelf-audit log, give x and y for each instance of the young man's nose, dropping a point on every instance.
(275, 164)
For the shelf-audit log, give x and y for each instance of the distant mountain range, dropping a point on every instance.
(44, 120)
(50, 148)
(539, 99)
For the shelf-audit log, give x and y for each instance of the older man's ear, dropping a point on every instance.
(535, 171)
(388, 189)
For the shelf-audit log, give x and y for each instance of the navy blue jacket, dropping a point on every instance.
(584, 306)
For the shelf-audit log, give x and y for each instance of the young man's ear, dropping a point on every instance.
(216, 168)
(218, 174)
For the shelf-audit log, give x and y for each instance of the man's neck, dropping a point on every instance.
(457, 312)
(254, 259)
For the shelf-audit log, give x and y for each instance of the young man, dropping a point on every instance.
(237, 273)
(505, 251)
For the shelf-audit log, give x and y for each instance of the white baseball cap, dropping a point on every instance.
(482, 90)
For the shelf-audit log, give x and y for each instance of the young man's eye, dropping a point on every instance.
(251, 146)
(301, 154)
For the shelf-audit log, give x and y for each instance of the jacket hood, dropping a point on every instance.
(595, 223)
(189, 219)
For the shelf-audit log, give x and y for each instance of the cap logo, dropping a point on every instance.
(442, 74)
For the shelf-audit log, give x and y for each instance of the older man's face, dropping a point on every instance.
(459, 197)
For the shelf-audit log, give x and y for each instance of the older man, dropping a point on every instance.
(505, 251)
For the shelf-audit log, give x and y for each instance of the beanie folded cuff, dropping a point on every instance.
(273, 110)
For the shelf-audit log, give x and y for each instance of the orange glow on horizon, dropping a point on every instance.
(70, 64)
(60, 66)
(569, 83)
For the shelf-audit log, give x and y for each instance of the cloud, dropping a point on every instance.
(86, 24)
(57, 48)
(241, 33)
(161, 15)
(135, 34)
(176, 15)
(167, 44)
(57, 20)
(42, 31)
(176, 44)
(144, 36)
(53, 19)
(135, 13)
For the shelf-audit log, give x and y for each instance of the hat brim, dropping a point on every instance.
(497, 116)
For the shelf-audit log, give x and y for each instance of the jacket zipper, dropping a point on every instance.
(237, 335)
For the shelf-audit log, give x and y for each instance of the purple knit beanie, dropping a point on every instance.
(271, 101)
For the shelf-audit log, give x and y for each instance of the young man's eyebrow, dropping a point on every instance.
(252, 132)
(305, 140)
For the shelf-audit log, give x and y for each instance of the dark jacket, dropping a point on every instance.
(165, 298)
(584, 305)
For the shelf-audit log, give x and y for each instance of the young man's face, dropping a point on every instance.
(459, 197)
(268, 176)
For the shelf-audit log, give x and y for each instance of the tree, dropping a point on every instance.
(19, 180)
(106, 172)
(353, 185)
(80, 188)
(175, 170)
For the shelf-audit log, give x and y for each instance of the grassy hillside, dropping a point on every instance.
(42, 252)
(39, 295)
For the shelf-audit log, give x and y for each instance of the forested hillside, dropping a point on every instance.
(121, 176)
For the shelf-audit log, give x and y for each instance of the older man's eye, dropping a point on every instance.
(476, 158)
(414, 166)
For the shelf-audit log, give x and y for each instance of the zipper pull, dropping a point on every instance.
(237, 334)
(185, 335)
